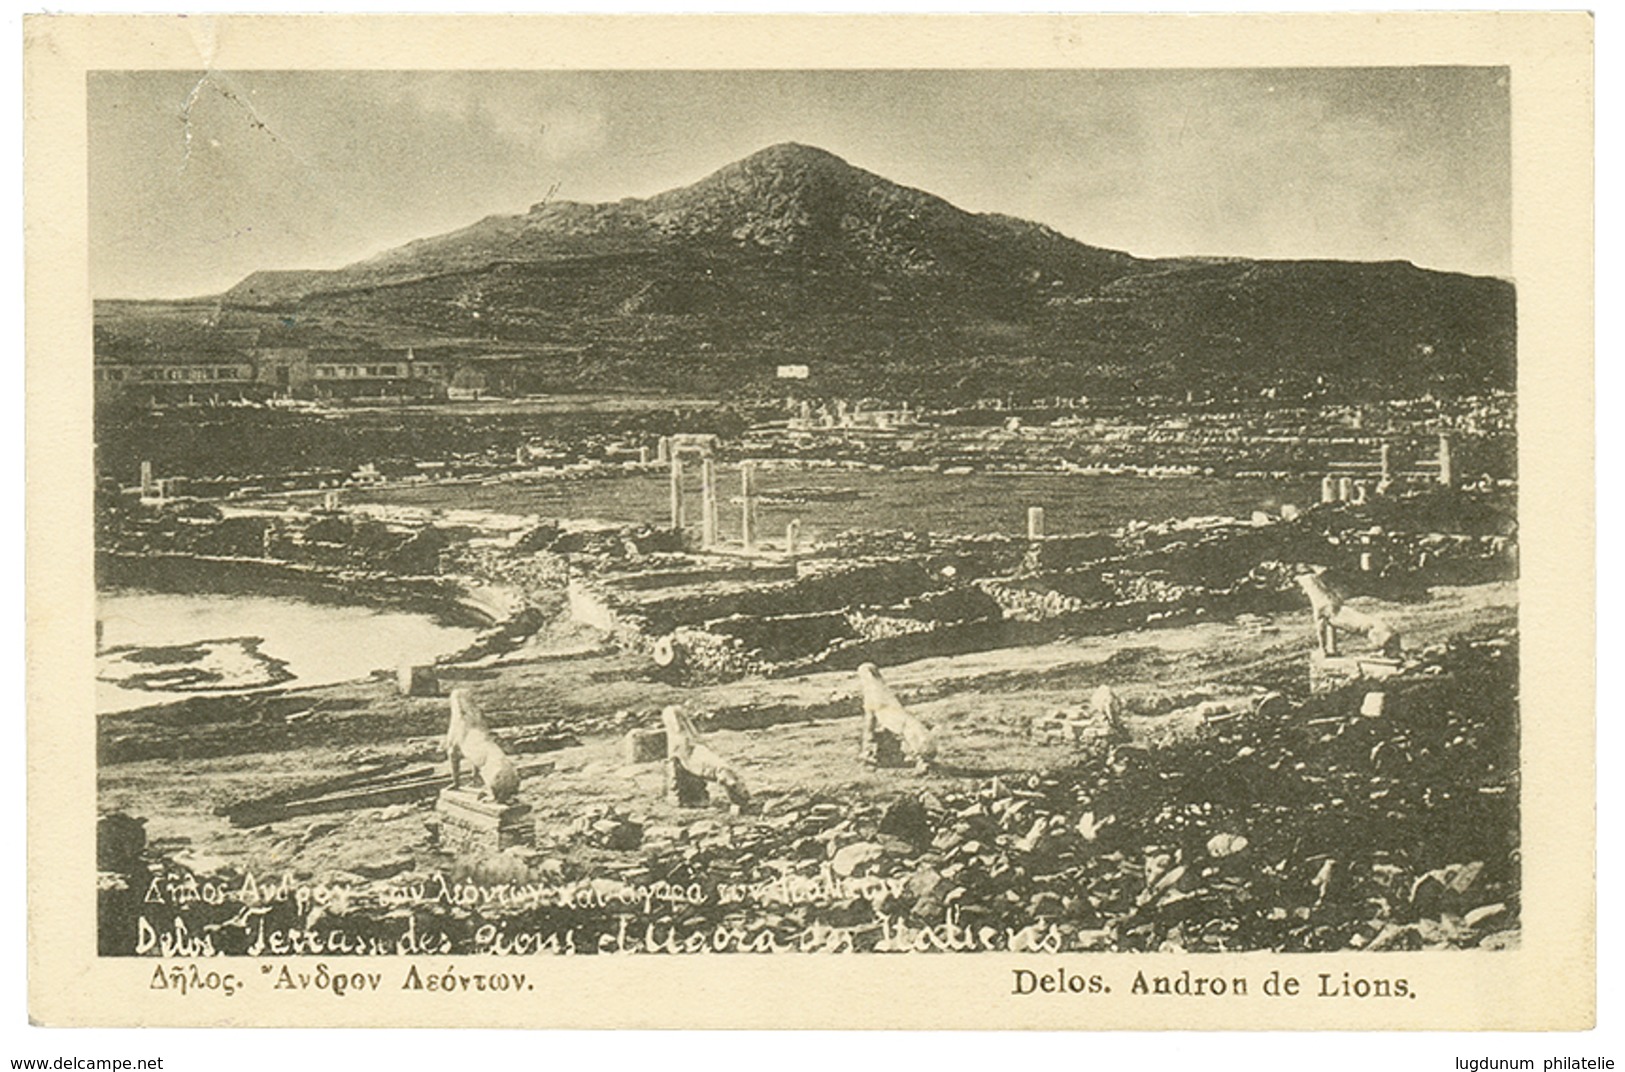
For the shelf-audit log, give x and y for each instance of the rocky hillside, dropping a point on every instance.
(793, 255)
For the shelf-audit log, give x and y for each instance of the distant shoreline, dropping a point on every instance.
(446, 600)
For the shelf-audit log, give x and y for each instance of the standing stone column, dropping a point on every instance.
(1386, 455)
(747, 522)
(1345, 488)
(792, 537)
(643, 455)
(1447, 468)
(708, 503)
(1328, 489)
(663, 450)
(676, 493)
(149, 487)
(1035, 522)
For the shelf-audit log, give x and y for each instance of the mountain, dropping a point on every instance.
(794, 255)
(790, 201)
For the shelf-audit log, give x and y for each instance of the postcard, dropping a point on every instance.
(811, 521)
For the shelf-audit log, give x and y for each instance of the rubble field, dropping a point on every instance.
(1232, 797)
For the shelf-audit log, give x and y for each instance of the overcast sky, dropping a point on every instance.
(196, 181)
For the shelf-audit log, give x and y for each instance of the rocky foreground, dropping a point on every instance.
(1191, 816)
(1310, 826)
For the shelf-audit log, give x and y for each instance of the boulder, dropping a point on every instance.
(857, 859)
(907, 820)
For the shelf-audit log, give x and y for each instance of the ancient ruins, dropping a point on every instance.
(733, 716)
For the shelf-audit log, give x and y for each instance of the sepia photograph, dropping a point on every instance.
(973, 511)
(772, 554)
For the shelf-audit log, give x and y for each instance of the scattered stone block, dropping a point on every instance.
(929, 890)
(386, 866)
(417, 680)
(645, 746)
(615, 833)
(1327, 673)
(1272, 705)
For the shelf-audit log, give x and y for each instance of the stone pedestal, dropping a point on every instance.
(881, 748)
(684, 788)
(471, 825)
